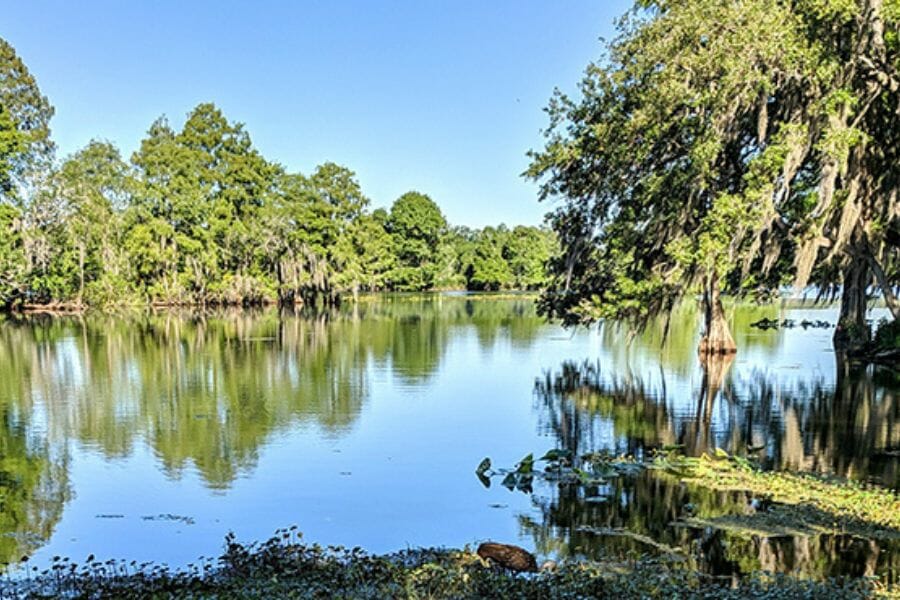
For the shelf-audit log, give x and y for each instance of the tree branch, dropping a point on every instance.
(886, 289)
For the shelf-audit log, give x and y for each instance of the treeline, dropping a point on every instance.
(199, 216)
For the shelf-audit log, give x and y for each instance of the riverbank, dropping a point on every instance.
(76, 308)
(284, 567)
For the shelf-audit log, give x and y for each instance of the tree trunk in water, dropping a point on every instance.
(717, 337)
(852, 333)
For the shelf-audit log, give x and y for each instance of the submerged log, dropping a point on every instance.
(508, 556)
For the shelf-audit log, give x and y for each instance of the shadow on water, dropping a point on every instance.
(846, 429)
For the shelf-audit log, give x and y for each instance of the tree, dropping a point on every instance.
(724, 146)
(25, 113)
(490, 270)
(459, 248)
(51, 262)
(199, 207)
(337, 189)
(95, 184)
(199, 216)
(851, 234)
(527, 250)
(26, 152)
(372, 250)
(417, 226)
(320, 231)
(236, 182)
(12, 256)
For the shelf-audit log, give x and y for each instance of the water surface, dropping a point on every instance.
(150, 436)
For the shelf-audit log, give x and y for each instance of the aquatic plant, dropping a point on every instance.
(848, 504)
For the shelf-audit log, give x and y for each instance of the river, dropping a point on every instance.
(149, 436)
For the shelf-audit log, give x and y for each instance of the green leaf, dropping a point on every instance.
(526, 465)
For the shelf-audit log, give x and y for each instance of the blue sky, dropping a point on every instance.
(437, 96)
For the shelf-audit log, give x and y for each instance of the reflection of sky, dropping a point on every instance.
(401, 473)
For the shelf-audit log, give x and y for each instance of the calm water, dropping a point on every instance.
(149, 437)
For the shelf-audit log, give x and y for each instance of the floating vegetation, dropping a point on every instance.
(767, 506)
(592, 469)
(810, 500)
(284, 567)
(824, 503)
(790, 324)
(169, 517)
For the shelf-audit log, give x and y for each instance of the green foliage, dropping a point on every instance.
(25, 114)
(12, 256)
(723, 146)
(200, 217)
(887, 335)
(418, 227)
(528, 250)
(497, 258)
(489, 270)
(12, 146)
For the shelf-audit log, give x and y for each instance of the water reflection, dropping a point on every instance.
(845, 429)
(205, 390)
(645, 514)
(209, 388)
(33, 487)
(366, 422)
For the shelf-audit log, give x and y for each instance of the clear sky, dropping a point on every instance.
(438, 96)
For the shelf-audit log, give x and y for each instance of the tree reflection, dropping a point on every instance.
(206, 389)
(846, 429)
(671, 342)
(33, 487)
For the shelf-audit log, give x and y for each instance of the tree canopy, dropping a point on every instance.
(25, 115)
(198, 215)
(728, 147)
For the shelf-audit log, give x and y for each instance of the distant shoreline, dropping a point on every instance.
(74, 308)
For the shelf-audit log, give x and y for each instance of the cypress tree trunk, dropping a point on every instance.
(852, 333)
(717, 337)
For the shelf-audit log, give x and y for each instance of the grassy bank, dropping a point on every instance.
(283, 567)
